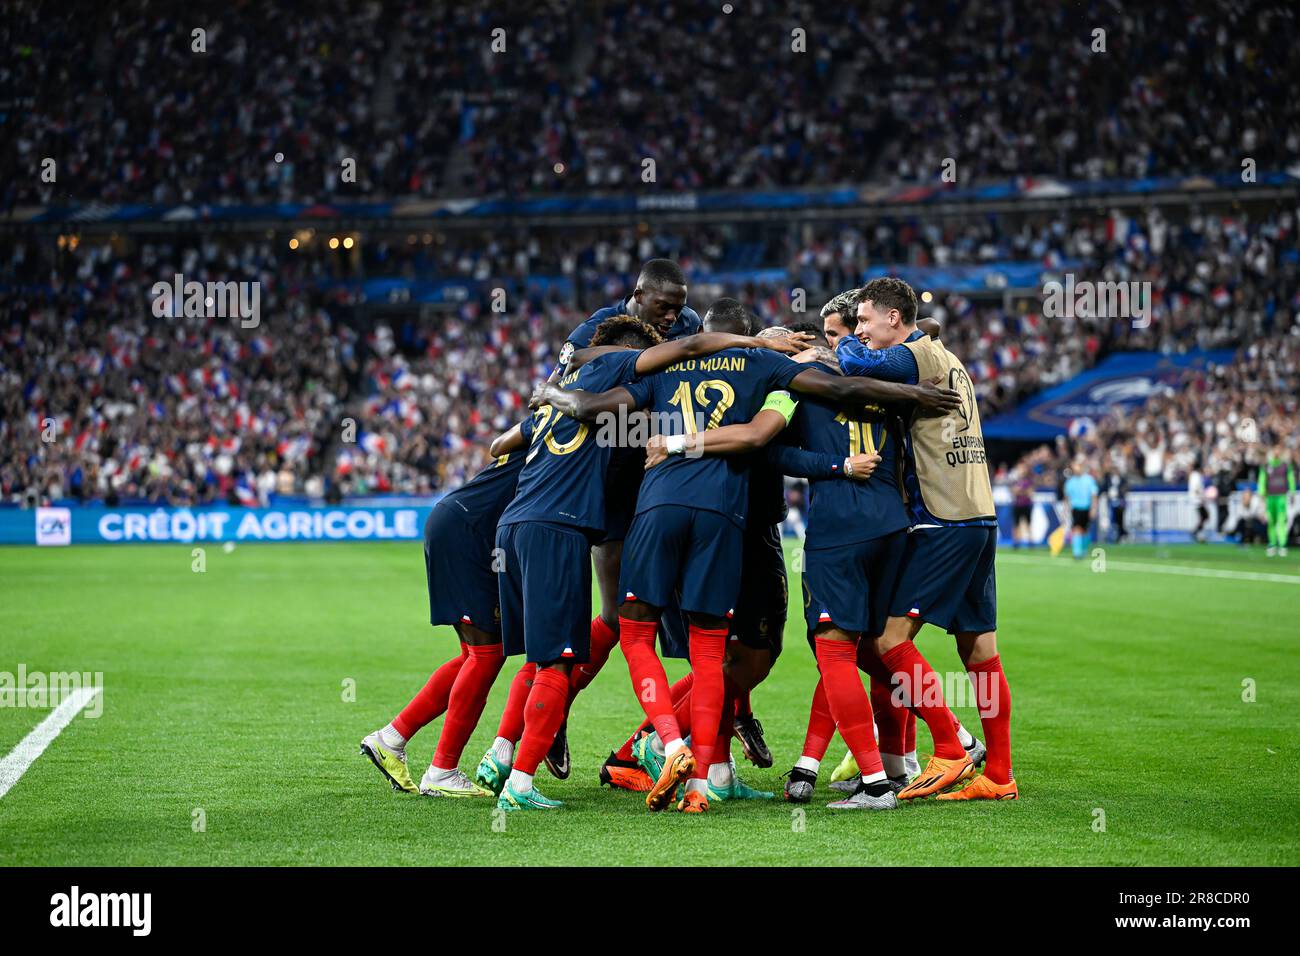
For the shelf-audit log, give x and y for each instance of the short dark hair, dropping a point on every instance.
(891, 292)
(843, 305)
(812, 328)
(661, 272)
(730, 313)
(625, 330)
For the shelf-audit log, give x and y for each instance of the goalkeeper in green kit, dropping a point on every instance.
(1276, 482)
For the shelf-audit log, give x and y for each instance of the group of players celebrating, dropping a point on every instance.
(656, 453)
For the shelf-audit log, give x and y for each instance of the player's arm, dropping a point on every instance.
(778, 408)
(894, 364)
(507, 442)
(516, 439)
(736, 439)
(929, 326)
(582, 356)
(659, 357)
(757, 434)
(583, 405)
(867, 391)
(813, 465)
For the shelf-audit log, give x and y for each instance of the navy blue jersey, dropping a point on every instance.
(727, 388)
(483, 498)
(686, 323)
(563, 480)
(843, 511)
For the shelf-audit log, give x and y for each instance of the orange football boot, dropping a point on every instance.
(693, 802)
(982, 788)
(676, 769)
(616, 773)
(940, 774)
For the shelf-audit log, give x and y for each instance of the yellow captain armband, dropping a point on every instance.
(780, 402)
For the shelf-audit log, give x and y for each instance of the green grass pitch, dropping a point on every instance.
(224, 692)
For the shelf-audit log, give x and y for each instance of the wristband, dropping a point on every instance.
(675, 444)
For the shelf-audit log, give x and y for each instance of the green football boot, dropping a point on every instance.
(847, 769)
(651, 762)
(491, 773)
(737, 789)
(391, 763)
(511, 800)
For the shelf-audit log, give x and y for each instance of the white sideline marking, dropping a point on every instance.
(1180, 569)
(33, 745)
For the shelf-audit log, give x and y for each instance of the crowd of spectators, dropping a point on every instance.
(266, 103)
(333, 395)
(1212, 429)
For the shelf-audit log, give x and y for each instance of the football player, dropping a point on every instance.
(947, 576)
(458, 562)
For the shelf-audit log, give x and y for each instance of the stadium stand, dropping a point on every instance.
(415, 94)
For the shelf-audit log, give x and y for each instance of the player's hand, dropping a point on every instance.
(818, 353)
(656, 450)
(540, 396)
(792, 343)
(930, 396)
(862, 466)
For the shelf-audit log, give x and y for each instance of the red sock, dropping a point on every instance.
(727, 722)
(743, 706)
(708, 648)
(821, 725)
(649, 682)
(891, 718)
(511, 727)
(465, 705)
(603, 639)
(924, 691)
(993, 697)
(682, 711)
(848, 701)
(430, 703)
(681, 695)
(909, 734)
(543, 715)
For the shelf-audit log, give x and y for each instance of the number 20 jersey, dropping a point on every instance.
(563, 479)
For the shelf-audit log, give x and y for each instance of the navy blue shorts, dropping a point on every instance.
(764, 599)
(545, 587)
(948, 579)
(675, 550)
(458, 564)
(675, 632)
(851, 586)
